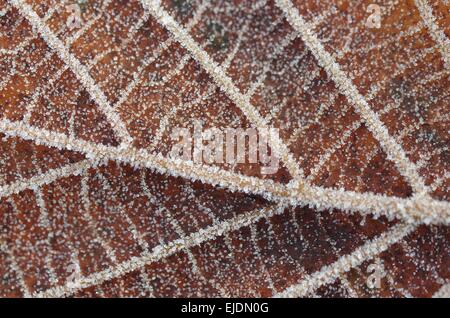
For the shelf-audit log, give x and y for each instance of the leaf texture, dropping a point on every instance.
(86, 178)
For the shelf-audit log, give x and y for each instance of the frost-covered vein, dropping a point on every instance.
(164, 122)
(26, 292)
(88, 24)
(56, 76)
(44, 178)
(443, 292)
(322, 110)
(39, 90)
(119, 209)
(80, 71)
(134, 28)
(278, 50)
(392, 148)
(260, 80)
(87, 216)
(253, 235)
(147, 61)
(436, 33)
(160, 252)
(44, 223)
(375, 90)
(223, 81)
(237, 45)
(181, 233)
(329, 273)
(412, 209)
(131, 228)
(19, 48)
(124, 95)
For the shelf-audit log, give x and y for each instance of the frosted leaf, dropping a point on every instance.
(87, 114)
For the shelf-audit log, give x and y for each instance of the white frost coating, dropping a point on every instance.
(419, 208)
(87, 25)
(224, 81)
(150, 59)
(376, 88)
(160, 252)
(80, 71)
(306, 194)
(89, 66)
(45, 223)
(164, 122)
(15, 267)
(179, 230)
(345, 85)
(45, 178)
(86, 215)
(328, 274)
(314, 196)
(389, 107)
(443, 292)
(437, 34)
(330, 151)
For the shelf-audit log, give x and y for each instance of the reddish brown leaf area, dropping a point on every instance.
(93, 204)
